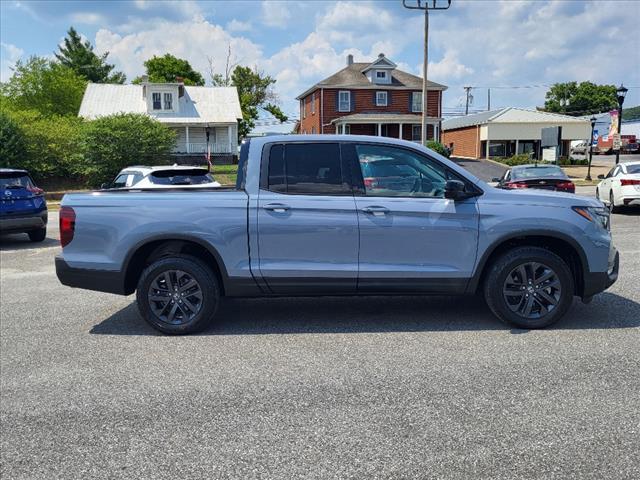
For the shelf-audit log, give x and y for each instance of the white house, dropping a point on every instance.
(203, 117)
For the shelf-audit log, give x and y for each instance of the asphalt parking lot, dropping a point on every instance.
(410, 387)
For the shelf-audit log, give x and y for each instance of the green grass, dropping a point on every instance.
(225, 174)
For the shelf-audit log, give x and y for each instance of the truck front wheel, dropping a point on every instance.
(529, 287)
(178, 295)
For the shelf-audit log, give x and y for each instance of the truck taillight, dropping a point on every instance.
(627, 181)
(566, 186)
(516, 185)
(67, 225)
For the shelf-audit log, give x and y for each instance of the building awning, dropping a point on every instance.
(384, 118)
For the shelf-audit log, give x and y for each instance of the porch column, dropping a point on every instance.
(229, 143)
(344, 128)
(186, 131)
(516, 152)
(400, 132)
(487, 155)
(436, 132)
(379, 129)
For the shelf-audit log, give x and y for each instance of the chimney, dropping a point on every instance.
(349, 60)
(381, 55)
(180, 80)
(145, 79)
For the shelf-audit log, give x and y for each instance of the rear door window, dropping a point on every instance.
(16, 180)
(307, 168)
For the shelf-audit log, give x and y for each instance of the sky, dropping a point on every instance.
(481, 43)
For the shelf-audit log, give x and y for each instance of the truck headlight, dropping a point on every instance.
(599, 215)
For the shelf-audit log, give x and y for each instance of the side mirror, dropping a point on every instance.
(601, 177)
(105, 186)
(454, 189)
(495, 179)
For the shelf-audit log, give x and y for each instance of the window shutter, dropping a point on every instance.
(353, 101)
(411, 101)
(375, 97)
(388, 98)
(337, 100)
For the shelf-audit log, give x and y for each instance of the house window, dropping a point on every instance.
(344, 101)
(313, 103)
(157, 103)
(416, 102)
(381, 74)
(416, 133)
(347, 129)
(381, 99)
(303, 112)
(168, 101)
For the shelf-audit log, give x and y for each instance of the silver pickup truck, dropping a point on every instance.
(338, 215)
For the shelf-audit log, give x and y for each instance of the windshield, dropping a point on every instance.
(633, 168)
(15, 180)
(538, 172)
(181, 177)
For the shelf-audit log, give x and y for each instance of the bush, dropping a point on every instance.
(50, 144)
(117, 141)
(438, 148)
(12, 142)
(572, 161)
(520, 159)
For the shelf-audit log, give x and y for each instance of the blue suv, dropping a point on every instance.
(23, 208)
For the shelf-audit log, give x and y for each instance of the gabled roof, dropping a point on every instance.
(509, 115)
(381, 62)
(198, 105)
(352, 76)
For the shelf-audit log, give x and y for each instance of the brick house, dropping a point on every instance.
(371, 99)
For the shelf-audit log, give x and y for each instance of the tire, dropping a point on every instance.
(502, 287)
(179, 309)
(612, 205)
(38, 235)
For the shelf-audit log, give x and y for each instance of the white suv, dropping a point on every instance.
(162, 177)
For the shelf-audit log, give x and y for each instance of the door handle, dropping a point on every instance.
(276, 207)
(376, 210)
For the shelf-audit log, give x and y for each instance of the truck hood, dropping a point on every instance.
(543, 198)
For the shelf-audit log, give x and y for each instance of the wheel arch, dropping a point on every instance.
(160, 246)
(562, 245)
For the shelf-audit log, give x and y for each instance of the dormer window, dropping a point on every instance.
(168, 101)
(157, 104)
(381, 75)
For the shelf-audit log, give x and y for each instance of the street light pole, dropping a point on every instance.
(593, 126)
(621, 92)
(425, 5)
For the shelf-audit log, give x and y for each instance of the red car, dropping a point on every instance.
(544, 177)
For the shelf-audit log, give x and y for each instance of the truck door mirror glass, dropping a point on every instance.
(454, 189)
(601, 177)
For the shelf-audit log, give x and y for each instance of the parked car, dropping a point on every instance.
(162, 177)
(302, 220)
(23, 206)
(581, 148)
(539, 176)
(621, 186)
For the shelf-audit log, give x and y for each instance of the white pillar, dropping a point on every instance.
(379, 129)
(186, 131)
(400, 133)
(516, 147)
(487, 155)
(229, 142)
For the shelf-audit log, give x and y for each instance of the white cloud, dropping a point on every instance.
(448, 68)
(193, 40)
(276, 13)
(10, 55)
(238, 26)
(87, 18)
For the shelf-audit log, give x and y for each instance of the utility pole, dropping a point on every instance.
(425, 5)
(488, 99)
(466, 109)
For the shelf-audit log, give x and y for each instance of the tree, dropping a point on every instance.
(46, 86)
(117, 141)
(167, 68)
(12, 142)
(79, 56)
(255, 92)
(219, 79)
(584, 98)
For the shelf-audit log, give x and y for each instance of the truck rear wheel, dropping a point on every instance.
(38, 235)
(178, 295)
(529, 287)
